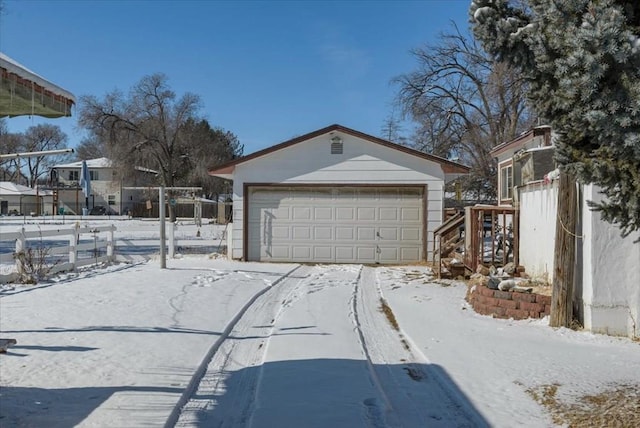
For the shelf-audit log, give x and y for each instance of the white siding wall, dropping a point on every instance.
(361, 162)
(538, 210)
(611, 284)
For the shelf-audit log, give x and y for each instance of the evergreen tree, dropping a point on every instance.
(582, 61)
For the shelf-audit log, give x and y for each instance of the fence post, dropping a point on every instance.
(73, 244)
(21, 246)
(110, 243)
(172, 247)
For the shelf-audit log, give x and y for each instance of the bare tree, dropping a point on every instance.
(213, 146)
(464, 104)
(392, 130)
(152, 128)
(9, 143)
(91, 148)
(40, 138)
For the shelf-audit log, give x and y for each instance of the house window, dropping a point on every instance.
(74, 175)
(112, 199)
(506, 182)
(93, 175)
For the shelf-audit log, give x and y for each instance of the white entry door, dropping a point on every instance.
(336, 225)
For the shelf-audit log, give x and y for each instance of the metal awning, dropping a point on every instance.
(24, 93)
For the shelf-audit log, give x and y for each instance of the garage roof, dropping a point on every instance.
(226, 170)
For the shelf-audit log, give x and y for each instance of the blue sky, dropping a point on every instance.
(265, 70)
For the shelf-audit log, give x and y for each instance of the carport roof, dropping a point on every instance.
(226, 170)
(25, 93)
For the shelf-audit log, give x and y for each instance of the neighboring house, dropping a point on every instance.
(337, 195)
(106, 189)
(607, 290)
(527, 157)
(16, 199)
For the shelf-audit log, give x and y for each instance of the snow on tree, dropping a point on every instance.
(582, 61)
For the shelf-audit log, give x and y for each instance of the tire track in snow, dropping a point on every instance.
(196, 381)
(418, 392)
(377, 413)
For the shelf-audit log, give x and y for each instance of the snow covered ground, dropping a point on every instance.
(212, 342)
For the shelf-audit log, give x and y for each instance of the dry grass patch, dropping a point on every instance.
(617, 406)
(386, 310)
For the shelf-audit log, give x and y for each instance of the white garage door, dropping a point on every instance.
(336, 225)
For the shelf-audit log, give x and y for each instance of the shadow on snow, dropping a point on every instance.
(301, 393)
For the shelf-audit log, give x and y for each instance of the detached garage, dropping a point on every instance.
(337, 195)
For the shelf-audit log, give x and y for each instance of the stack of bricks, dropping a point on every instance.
(509, 304)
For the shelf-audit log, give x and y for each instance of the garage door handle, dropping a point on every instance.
(378, 234)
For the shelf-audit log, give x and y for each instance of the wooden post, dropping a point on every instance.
(564, 253)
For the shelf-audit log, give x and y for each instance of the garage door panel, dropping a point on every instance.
(389, 255)
(366, 213)
(280, 212)
(345, 253)
(342, 224)
(409, 253)
(323, 232)
(322, 213)
(302, 252)
(344, 233)
(366, 233)
(410, 234)
(323, 253)
(277, 252)
(301, 213)
(390, 233)
(410, 213)
(366, 254)
(277, 232)
(301, 232)
(343, 213)
(388, 214)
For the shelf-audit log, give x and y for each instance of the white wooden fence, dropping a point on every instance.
(538, 213)
(79, 246)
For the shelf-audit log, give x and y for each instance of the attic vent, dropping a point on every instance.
(336, 145)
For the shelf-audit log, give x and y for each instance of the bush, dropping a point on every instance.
(32, 265)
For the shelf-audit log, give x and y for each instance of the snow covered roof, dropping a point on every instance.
(8, 188)
(91, 163)
(24, 92)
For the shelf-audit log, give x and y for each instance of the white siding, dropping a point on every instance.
(362, 162)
